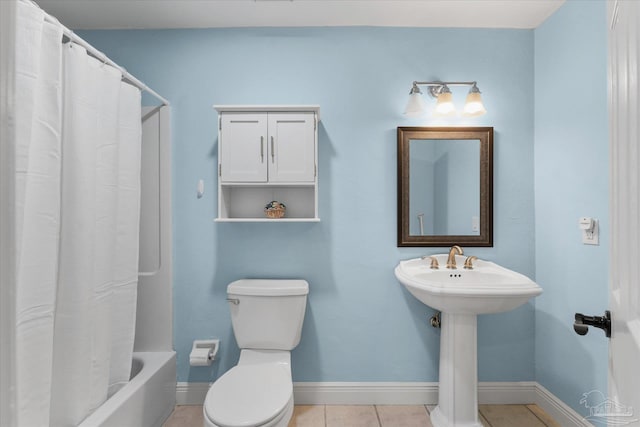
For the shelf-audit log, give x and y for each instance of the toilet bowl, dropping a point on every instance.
(267, 320)
(258, 391)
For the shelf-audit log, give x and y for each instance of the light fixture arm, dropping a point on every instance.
(436, 87)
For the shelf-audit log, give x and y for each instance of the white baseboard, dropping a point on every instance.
(506, 393)
(365, 393)
(408, 393)
(190, 393)
(559, 410)
(404, 393)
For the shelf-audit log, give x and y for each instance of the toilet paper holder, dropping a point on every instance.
(203, 352)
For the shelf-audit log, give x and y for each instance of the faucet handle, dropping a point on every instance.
(468, 263)
(434, 261)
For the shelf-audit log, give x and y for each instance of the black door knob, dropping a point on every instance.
(582, 323)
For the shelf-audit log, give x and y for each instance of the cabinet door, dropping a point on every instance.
(292, 147)
(243, 147)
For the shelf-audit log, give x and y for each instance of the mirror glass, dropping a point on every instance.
(445, 186)
(444, 198)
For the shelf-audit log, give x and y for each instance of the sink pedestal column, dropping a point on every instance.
(458, 382)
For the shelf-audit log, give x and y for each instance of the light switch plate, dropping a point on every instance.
(593, 237)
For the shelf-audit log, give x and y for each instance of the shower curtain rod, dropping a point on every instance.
(99, 55)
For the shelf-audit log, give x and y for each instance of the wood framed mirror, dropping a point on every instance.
(445, 186)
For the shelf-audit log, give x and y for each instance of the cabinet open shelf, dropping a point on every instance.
(247, 202)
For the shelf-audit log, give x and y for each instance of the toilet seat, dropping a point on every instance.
(249, 395)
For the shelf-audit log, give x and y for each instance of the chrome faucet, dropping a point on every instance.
(451, 260)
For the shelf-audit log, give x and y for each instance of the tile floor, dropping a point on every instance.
(382, 416)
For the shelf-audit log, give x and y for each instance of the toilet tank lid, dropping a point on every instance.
(268, 287)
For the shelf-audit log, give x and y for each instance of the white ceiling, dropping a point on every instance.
(146, 14)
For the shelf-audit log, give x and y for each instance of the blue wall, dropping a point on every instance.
(571, 180)
(361, 325)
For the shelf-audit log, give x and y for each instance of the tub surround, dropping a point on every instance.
(146, 400)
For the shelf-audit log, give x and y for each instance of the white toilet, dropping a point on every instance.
(267, 318)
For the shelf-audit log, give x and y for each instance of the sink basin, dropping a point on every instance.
(488, 288)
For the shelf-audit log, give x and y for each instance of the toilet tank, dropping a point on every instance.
(267, 314)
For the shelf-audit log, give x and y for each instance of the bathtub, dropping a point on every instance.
(145, 401)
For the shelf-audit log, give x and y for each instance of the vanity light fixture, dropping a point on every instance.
(444, 100)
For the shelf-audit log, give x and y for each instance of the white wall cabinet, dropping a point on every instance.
(267, 153)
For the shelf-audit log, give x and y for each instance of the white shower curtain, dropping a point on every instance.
(38, 122)
(77, 141)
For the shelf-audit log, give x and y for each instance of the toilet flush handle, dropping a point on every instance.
(234, 301)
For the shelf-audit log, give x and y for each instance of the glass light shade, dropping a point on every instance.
(474, 105)
(444, 106)
(415, 106)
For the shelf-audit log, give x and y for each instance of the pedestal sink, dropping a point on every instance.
(461, 295)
